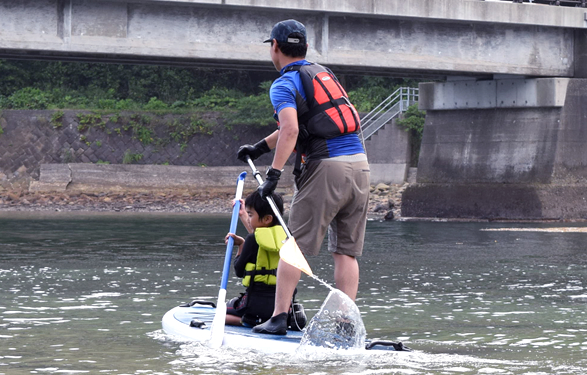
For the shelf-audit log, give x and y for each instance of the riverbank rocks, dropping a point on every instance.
(384, 202)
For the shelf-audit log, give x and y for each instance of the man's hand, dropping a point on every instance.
(253, 151)
(268, 187)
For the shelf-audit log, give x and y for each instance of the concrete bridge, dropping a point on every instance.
(430, 38)
(505, 132)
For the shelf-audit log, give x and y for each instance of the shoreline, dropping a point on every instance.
(384, 202)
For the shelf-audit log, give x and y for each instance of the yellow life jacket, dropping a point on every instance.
(270, 240)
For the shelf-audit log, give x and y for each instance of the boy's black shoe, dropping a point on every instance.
(277, 325)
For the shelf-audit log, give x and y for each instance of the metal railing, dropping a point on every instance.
(391, 107)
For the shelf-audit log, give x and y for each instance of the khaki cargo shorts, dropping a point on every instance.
(331, 194)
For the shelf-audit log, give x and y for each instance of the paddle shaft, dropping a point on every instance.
(217, 329)
(233, 223)
(269, 198)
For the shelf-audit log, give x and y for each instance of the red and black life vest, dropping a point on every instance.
(327, 112)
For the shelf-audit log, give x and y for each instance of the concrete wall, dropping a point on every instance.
(570, 162)
(504, 163)
(87, 177)
(489, 146)
(415, 38)
(389, 155)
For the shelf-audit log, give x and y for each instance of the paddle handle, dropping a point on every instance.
(233, 222)
(269, 198)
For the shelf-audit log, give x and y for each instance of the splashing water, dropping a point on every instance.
(323, 282)
(337, 325)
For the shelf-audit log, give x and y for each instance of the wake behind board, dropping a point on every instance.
(192, 322)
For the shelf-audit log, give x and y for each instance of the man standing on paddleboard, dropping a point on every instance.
(316, 119)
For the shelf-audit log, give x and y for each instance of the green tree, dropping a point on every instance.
(413, 121)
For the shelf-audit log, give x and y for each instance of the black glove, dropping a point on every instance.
(268, 187)
(254, 151)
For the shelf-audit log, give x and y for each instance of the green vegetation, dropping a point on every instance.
(413, 122)
(240, 96)
(368, 92)
(57, 119)
(133, 100)
(131, 158)
(90, 120)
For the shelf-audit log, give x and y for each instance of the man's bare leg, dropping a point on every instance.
(346, 274)
(287, 279)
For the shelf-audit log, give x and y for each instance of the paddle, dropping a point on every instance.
(217, 329)
(290, 251)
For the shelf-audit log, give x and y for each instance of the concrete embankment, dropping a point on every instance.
(511, 149)
(96, 178)
(156, 188)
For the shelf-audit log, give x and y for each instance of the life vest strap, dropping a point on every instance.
(262, 272)
(323, 107)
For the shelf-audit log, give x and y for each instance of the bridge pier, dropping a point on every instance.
(502, 149)
(389, 154)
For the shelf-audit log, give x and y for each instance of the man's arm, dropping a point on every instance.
(285, 138)
(271, 139)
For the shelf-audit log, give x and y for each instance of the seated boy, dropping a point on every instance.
(256, 262)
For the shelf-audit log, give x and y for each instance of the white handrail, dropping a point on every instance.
(388, 109)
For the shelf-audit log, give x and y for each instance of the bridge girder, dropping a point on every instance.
(419, 38)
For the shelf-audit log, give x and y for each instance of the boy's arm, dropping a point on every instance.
(244, 216)
(248, 255)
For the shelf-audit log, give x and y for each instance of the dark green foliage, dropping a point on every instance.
(216, 99)
(28, 98)
(57, 119)
(131, 158)
(236, 94)
(413, 121)
(366, 98)
(253, 109)
(155, 104)
(90, 120)
(88, 83)
(368, 91)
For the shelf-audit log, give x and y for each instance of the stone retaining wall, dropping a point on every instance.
(29, 139)
(32, 140)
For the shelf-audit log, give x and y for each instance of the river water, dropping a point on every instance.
(85, 294)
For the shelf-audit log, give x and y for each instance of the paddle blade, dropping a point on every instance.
(217, 329)
(291, 254)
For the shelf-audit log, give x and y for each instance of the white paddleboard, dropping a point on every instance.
(192, 323)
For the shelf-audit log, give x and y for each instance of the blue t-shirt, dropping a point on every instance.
(283, 95)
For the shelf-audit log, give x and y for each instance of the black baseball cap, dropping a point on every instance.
(282, 32)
